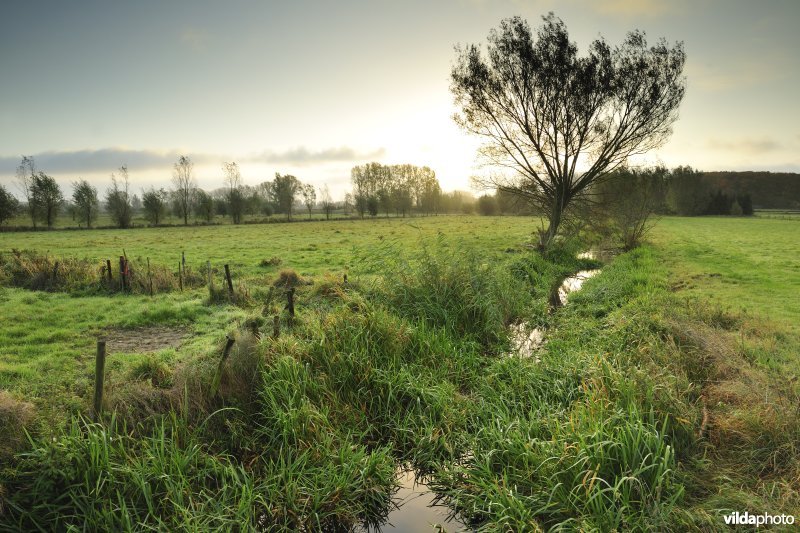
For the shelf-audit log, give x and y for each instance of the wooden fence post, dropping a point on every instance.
(108, 266)
(180, 276)
(230, 282)
(210, 282)
(276, 326)
(122, 270)
(218, 375)
(99, 378)
(290, 305)
(149, 276)
(254, 330)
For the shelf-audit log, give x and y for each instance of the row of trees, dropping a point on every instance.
(43, 198)
(398, 188)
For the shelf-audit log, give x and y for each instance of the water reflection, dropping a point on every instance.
(574, 283)
(418, 509)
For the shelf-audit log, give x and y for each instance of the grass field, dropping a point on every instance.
(749, 265)
(47, 339)
(663, 398)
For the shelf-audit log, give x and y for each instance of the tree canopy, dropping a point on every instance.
(84, 197)
(560, 121)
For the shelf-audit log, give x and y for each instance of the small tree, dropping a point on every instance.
(487, 205)
(624, 203)
(47, 198)
(9, 205)
(561, 122)
(234, 195)
(327, 202)
(26, 172)
(204, 206)
(85, 202)
(372, 206)
(284, 190)
(348, 204)
(118, 200)
(184, 187)
(309, 195)
(154, 205)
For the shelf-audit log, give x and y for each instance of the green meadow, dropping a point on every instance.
(664, 397)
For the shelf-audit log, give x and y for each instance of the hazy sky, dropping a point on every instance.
(313, 88)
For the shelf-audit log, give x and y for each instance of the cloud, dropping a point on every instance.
(107, 160)
(103, 160)
(747, 146)
(302, 156)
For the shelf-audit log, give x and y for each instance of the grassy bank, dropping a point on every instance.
(644, 410)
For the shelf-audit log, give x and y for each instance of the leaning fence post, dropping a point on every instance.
(228, 279)
(99, 377)
(180, 276)
(108, 266)
(218, 375)
(290, 305)
(254, 330)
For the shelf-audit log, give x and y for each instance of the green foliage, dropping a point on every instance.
(458, 292)
(9, 205)
(406, 363)
(84, 198)
(487, 205)
(118, 200)
(154, 204)
(285, 188)
(46, 198)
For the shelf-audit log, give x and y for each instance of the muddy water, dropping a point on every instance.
(526, 339)
(418, 510)
(574, 283)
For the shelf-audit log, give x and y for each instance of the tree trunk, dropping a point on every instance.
(554, 221)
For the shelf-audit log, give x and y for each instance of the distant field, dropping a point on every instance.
(310, 248)
(138, 221)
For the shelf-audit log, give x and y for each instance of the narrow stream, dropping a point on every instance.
(574, 283)
(417, 506)
(526, 339)
(418, 510)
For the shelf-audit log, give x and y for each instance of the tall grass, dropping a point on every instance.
(602, 431)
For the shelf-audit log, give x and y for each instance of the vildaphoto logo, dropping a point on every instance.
(758, 520)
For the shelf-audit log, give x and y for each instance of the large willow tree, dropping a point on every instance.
(560, 121)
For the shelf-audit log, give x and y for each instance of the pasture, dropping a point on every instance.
(644, 408)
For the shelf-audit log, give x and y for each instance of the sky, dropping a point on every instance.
(313, 88)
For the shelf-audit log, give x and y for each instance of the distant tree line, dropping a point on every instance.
(389, 189)
(377, 189)
(768, 190)
(680, 191)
